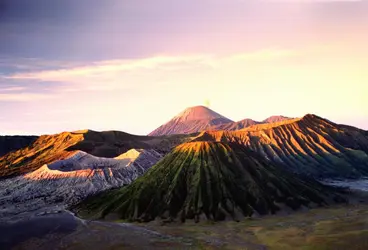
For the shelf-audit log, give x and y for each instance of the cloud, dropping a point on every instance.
(122, 74)
(27, 64)
(107, 66)
(11, 89)
(312, 1)
(23, 97)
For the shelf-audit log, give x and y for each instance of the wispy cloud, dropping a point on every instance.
(12, 89)
(107, 66)
(312, 1)
(27, 64)
(23, 97)
(117, 74)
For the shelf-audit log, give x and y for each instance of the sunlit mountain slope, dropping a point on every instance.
(50, 148)
(309, 145)
(191, 120)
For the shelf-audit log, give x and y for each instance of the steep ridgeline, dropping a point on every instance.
(14, 142)
(233, 126)
(200, 118)
(72, 179)
(276, 118)
(116, 171)
(50, 148)
(310, 145)
(207, 181)
(191, 120)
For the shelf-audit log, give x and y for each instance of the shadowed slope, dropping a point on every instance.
(207, 181)
(309, 145)
(15, 142)
(191, 120)
(50, 148)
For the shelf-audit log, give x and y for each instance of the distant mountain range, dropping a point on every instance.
(309, 145)
(225, 170)
(200, 118)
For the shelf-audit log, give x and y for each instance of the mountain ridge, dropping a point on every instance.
(309, 145)
(50, 148)
(199, 118)
(275, 118)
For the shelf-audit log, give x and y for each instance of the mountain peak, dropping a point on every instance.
(311, 116)
(191, 120)
(276, 118)
(198, 113)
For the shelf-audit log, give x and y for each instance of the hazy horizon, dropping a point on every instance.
(131, 66)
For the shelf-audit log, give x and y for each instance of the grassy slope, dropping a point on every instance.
(206, 180)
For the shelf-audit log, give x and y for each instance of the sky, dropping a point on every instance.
(126, 65)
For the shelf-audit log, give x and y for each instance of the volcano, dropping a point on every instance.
(208, 181)
(191, 120)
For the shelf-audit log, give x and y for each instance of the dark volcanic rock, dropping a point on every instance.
(12, 143)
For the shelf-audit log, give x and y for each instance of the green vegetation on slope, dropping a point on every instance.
(207, 181)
